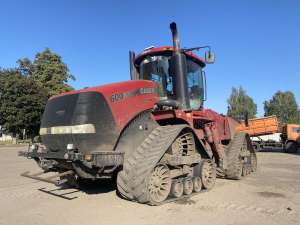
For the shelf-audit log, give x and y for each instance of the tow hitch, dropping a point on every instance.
(51, 179)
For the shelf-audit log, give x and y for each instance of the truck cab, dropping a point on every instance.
(291, 137)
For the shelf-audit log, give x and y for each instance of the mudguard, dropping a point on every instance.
(135, 132)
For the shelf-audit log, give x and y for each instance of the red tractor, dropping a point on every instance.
(152, 132)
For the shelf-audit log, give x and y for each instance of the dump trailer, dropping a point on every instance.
(264, 132)
(152, 133)
(267, 133)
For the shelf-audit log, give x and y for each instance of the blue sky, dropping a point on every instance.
(257, 43)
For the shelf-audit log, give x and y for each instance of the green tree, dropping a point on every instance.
(25, 67)
(22, 103)
(48, 70)
(239, 103)
(284, 106)
(24, 91)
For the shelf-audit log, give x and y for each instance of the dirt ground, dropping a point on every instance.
(271, 196)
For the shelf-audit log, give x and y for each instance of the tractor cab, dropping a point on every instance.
(178, 73)
(156, 64)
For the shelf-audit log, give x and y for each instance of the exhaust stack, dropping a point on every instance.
(176, 44)
(180, 71)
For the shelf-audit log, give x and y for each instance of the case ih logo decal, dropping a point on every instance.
(141, 91)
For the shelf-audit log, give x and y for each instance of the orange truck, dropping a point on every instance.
(267, 133)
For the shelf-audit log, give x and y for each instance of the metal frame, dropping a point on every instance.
(51, 179)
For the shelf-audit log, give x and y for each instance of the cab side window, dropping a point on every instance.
(195, 84)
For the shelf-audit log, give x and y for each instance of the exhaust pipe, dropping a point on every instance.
(133, 73)
(180, 70)
(176, 43)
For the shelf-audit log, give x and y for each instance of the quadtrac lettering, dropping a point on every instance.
(141, 91)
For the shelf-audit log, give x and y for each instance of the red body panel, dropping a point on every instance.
(125, 98)
(126, 101)
(223, 124)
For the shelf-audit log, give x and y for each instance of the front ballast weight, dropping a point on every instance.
(165, 167)
(103, 158)
(51, 179)
(100, 164)
(99, 159)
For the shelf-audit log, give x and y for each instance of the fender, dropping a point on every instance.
(135, 132)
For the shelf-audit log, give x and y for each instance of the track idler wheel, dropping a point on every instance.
(177, 188)
(159, 184)
(208, 174)
(188, 186)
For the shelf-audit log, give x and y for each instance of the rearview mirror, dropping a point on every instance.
(209, 57)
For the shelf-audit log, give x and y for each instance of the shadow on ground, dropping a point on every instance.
(97, 187)
(86, 186)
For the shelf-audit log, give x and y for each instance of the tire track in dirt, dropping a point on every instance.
(255, 208)
(238, 207)
(248, 208)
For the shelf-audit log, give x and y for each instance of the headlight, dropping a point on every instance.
(34, 147)
(70, 146)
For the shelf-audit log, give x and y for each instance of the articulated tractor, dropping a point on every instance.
(151, 133)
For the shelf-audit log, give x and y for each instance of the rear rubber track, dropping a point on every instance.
(234, 168)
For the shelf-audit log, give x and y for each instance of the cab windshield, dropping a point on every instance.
(157, 69)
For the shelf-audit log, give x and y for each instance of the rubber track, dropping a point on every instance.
(232, 171)
(132, 180)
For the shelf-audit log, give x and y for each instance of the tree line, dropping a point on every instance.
(283, 104)
(24, 91)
